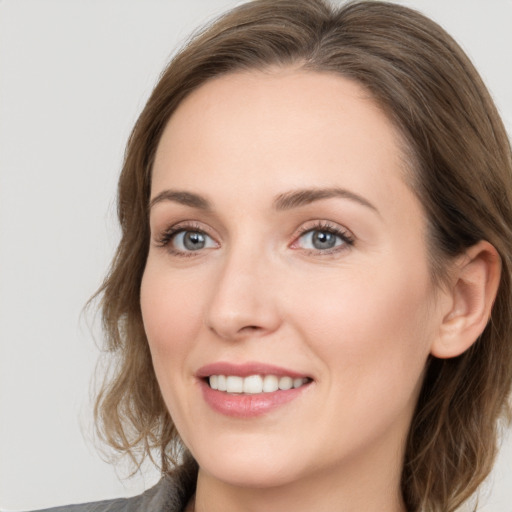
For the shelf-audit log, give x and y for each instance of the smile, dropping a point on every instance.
(250, 389)
(255, 384)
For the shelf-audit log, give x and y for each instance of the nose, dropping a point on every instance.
(244, 299)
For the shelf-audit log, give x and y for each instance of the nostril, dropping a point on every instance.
(250, 328)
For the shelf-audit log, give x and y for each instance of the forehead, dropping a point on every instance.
(285, 128)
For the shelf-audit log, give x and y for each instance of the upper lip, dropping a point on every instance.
(246, 369)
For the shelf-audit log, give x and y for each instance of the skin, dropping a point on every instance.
(360, 319)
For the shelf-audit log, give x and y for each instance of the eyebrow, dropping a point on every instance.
(181, 197)
(286, 201)
(303, 197)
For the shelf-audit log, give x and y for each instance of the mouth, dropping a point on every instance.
(250, 389)
(255, 384)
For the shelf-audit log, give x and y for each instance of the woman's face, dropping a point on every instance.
(287, 250)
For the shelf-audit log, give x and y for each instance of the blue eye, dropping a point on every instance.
(322, 239)
(186, 241)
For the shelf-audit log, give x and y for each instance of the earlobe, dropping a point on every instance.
(475, 281)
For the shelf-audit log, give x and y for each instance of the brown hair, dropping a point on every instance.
(461, 168)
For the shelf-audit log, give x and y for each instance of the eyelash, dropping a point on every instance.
(326, 227)
(167, 236)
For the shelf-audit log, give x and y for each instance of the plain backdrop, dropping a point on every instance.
(74, 74)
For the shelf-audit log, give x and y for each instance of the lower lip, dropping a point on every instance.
(246, 405)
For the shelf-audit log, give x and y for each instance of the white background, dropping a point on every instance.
(74, 74)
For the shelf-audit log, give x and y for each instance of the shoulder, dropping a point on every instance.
(153, 500)
(170, 494)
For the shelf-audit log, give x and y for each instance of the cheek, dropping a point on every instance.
(170, 315)
(372, 331)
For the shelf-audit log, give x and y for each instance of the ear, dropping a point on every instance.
(474, 285)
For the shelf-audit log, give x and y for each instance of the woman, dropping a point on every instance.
(310, 303)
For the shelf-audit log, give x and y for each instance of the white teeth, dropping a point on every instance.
(270, 383)
(297, 383)
(254, 384)
(285, 383)
(221, 382)
(234, 384)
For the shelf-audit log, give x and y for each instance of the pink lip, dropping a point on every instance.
(245, 370)
(246, 406)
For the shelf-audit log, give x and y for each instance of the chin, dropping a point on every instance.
(250, 470)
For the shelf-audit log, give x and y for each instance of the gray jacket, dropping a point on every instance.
(170, 494)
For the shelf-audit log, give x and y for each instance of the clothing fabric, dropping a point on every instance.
(170, 494)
